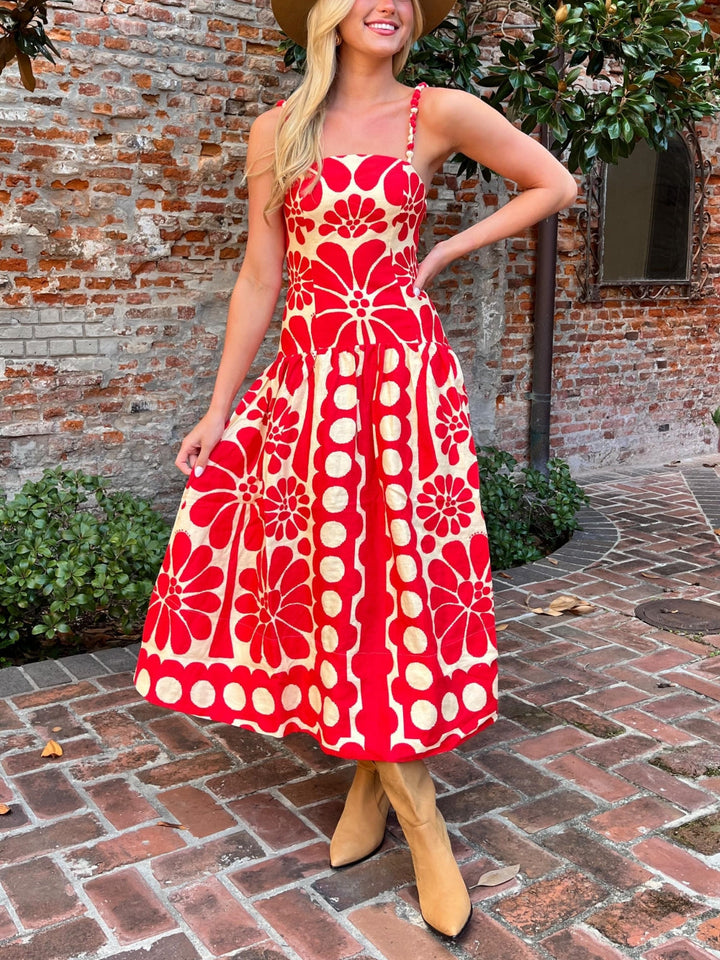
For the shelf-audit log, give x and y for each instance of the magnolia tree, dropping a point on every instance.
(600, 74)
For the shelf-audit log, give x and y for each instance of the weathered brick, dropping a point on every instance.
(580, 945)
(271, 821)
(635, 818)
(291, 866)
(40, 893)
(199, 813)
(122, 805)
(549, 810)
(308, 929)
(130, 847)
(550, 901)
(128, 906)
(59, 942)
(508, 845)
(49, 793)
(647, 915)
(395, 938)
(216, 916)
(597, 858)
(678, 864)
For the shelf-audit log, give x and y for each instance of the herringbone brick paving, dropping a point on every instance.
(606, 755)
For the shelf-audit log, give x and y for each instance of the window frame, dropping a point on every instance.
(591, 219)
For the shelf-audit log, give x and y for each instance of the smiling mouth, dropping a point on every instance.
(384, 27)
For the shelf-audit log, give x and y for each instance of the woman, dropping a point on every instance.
(328, 570)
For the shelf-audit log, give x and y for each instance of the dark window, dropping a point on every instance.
(647, 224)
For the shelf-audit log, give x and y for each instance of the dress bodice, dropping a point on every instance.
(352, 237)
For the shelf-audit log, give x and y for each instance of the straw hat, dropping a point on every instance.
(292, 16)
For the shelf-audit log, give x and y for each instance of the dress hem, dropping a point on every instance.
(348, 751)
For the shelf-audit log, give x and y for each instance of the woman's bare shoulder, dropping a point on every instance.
(446, 104)
(262, 130)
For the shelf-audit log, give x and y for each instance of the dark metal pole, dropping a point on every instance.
(544, 320)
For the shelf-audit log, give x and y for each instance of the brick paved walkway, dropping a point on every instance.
(608, 748)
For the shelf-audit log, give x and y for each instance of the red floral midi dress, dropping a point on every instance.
(329, 571)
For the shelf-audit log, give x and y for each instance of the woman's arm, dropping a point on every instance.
(459, 122)
(253, 299)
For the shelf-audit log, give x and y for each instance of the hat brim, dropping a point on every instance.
(292, 16)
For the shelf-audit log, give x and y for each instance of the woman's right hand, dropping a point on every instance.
(197, 446)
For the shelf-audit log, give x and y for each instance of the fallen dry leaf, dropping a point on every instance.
(175, 826)
(552, 560)
(4, 809)
(500, 627)
(650, 576)
(493, 878)
(565, 603)
(505, 576)
(717, 531)
(52, 749)
(56, 729)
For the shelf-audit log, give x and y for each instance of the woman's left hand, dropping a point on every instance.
(441, 256)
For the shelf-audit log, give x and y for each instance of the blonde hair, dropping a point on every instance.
(298, 138)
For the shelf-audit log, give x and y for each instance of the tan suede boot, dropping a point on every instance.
(361, 828)
(444, 899)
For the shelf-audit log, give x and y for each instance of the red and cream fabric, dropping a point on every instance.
(329, 571)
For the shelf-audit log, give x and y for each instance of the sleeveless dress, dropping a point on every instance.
(329, 571)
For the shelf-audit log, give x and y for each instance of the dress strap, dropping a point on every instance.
(414, 110)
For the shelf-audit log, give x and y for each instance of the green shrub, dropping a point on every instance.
(528, 514)
(74, 557)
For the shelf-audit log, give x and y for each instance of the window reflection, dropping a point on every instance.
(647, 220)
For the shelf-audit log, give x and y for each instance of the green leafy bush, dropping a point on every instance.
(528, 514)
(74, 557)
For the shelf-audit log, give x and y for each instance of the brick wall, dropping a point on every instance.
(634, 380)
(122, 230)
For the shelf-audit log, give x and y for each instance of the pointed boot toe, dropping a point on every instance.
(444, 898)
(361, 828)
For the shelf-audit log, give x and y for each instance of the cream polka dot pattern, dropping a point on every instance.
(343, 431)
(335, 499)
(419, 676)
(474, 697)
(143, 682)
(234, 696)
(263, 701)
(391, 462)
(202, 694)
(169, 690)
(424, 714)
(338, 464)
(333, 534)
(390, 428)
(291, 697)
(331, 602)
(415, 640)
(346, 397)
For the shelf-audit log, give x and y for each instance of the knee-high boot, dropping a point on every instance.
(361, 827)
(444, 899)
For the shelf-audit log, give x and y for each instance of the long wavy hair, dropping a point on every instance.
(298, 139)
